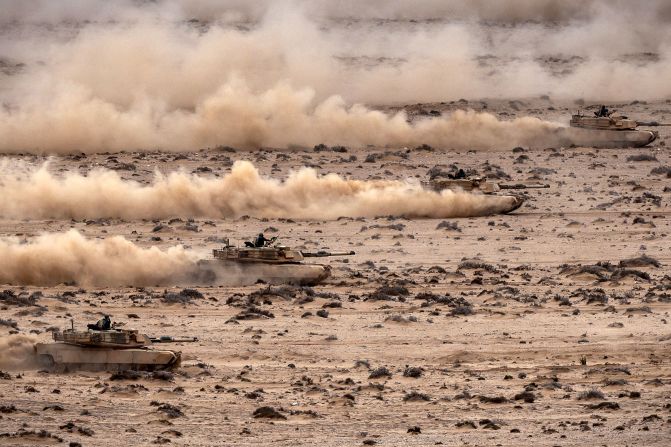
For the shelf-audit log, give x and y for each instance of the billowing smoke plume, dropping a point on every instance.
(278, 118)
(303, 195)
(52, 259)
(70, 258)
(45, 11)
(17, 352)
(143, 75)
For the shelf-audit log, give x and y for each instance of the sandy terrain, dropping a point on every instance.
(493, 331)
(544, 327)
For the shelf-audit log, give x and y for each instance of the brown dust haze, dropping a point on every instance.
(85, 76)
(39, 194)
(57, 258)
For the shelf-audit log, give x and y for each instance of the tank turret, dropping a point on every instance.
(472, 184)
(113, 338)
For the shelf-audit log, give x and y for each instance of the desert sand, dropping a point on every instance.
(546, 327)
(485, 312)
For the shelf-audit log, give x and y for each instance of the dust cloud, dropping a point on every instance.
(17, 352)
(39, 194)
(101, 76)
(234, 116)
(51, 259)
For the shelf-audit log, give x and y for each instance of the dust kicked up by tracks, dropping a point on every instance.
(544, 327)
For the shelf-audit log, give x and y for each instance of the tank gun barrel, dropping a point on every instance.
(652, 124)
(324, 254)
(170, 339)
(523, 186)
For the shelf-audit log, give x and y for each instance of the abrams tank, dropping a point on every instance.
(481, 185)
(106, 350)
(272, 263)
(609, 129)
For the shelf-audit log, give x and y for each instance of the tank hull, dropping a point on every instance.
(506, 203)
(247, 273)
(608, 138)
(515, 202)
(65, 357)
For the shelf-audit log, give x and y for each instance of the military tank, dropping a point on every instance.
(271, 263)
(483, 186)
(609, 129)
(106, 350)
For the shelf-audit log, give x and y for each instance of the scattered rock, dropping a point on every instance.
(415, 396)
(382, 371)
(268, 413)
(414, 372)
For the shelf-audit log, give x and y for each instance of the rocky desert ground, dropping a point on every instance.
(450, 325)
(547, 326)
